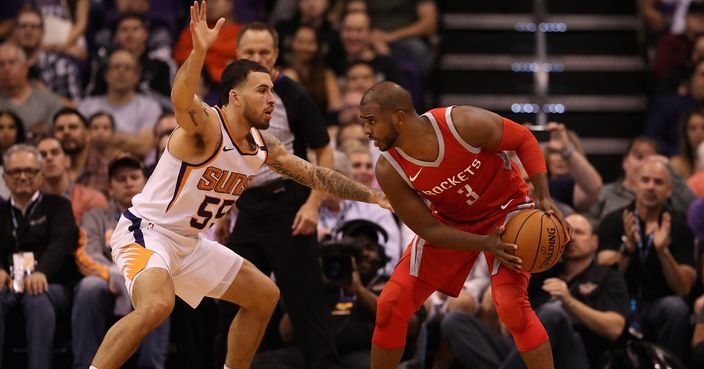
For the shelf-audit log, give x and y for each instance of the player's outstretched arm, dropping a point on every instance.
(318, 178)
(191, 113)
(416, 215)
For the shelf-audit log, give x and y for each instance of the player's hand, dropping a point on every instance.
(202, 35)
(549, 206)
(496, 246)
(36, 283)
(4, 280)
(306, 220)
(557, 288)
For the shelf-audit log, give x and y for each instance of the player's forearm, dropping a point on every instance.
(607, 324)
(448, 237)
(540, 183)
(186, 80)
(324, 159)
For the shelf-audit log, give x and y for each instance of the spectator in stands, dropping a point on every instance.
(691, 135)
(359, 77)
(223, 50)
(313, 14)
(362, 165)
(34, 106)
(351, 131)
(573, 180)
(134, 113)
(65, 27)
(162, 131)
(696, 181)
(57, 182)
(349, 113)
(101, 135)
(40, 225)
(695, 219)
(666, 113)
(71, 129)
(156, 72)
(582, 305)
(306, 66)
(334, 212)
(102, 294)
(57, 72)
(357, 44)
(159, 41)
(653, 247)
(673, 51)
(11, 132)
(621, 192)
(406, 26)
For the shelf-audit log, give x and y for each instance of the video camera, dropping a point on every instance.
(344, 244)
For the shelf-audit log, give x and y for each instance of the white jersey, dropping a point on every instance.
(189, 198)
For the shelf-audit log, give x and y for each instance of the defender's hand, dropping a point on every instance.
(496, 246)
(382, 201)
(203, 36)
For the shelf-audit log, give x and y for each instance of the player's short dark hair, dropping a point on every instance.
(69, 111)
(258, 26)
(234, 75)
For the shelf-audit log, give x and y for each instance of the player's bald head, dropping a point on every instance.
(389, 96)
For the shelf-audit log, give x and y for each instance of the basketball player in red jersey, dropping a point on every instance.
(454, 160)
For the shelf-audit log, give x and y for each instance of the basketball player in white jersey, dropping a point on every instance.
(207, 164)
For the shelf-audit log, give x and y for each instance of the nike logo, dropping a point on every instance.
(226, 149)
(503, 207)
(416, 176)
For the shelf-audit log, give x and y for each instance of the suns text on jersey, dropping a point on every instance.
(223, 181)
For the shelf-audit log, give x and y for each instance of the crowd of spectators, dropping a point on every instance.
(85, 115)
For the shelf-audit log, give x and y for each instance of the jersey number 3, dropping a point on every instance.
(204, 215)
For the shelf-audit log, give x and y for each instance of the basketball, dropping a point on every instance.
(540, 238)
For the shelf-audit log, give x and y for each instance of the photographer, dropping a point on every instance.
(352, 262)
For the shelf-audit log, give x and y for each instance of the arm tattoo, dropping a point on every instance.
(192, 115)
(315, 177)
(324, 179)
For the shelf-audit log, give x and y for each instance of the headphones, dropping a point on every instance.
(349, 230)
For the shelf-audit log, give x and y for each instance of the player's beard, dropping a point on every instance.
(256, 120)
(390, 140)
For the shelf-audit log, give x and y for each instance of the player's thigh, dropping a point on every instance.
(153, 288)
(251, 288)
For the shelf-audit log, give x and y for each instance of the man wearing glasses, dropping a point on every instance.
(38, 236)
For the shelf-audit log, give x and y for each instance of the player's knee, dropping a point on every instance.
(512, 306)
(264, 299)
(154, 312)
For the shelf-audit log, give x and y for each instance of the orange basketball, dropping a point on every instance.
(540, 238)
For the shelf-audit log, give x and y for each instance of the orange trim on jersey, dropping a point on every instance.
(186, 171)
(234, 142)
(136, 258)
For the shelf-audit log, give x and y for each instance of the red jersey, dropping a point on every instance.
(465, 184)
